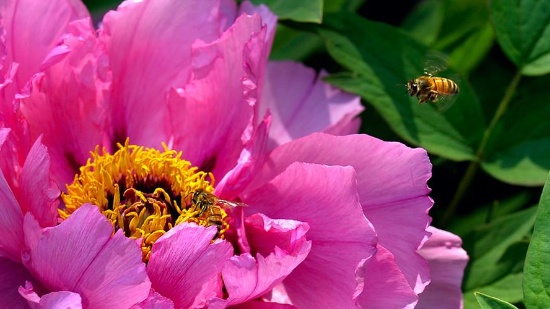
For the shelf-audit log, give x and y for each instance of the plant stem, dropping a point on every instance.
(474, 165)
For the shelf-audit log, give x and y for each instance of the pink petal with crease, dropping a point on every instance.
(447, 261)
(220, 90)
(301, 104)
(81, 256)
(49, 22)
(155, 301)
(325, 197)
(38, 194)
(384, 285)
(185, 266)
(142, 39)
(256, 304)
(12, 276)
(63, 299)
(11, 223)
(66, 104)
(280, 246)
(392, 181)
(251, 159)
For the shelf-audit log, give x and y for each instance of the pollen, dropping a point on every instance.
(143, 191)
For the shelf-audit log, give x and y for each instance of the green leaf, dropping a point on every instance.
(489, 302)
(486, 213)
(497, 249)
(536, 284)
(425, 21)
(382, 59)
(303, 11)
(520, 145)
(508, 288)
(523, 32)
(460, 28)
(294, 44)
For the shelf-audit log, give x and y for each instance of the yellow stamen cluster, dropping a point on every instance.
(141, 190)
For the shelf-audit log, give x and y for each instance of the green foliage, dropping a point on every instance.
(489, 302)
(305, 11)
(523, 31)
(536, 286)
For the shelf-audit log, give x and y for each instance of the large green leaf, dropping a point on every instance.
(304, 11)
(382, 59)
(461, 28)
(536, 284)
(489, 302)
(523, 31)
(507, 288)
(497, 249)
(520, 146)
(293, 44)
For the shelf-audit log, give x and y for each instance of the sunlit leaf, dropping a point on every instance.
(523, 31)
(489, 302)
(304, 11)
(520, 146)
(508, 288)
(497, 249)
(536, 284)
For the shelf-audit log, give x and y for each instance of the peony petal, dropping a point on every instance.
(43, 31)
(392, 181)
(325, 197)
(63, 299)
(280, 247)
(12, 276)
(38, 195)
(155, 301)
(66, 104)
(447, 261)
(184, 262)
(384, 285)
(256, 304)
(222, 90)
(251, 159)
(301, 104)
(80, 255)
(11, 223)
(142, 39)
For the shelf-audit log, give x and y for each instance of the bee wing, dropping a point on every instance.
(232, 204)
(435, 62)
(445, 101)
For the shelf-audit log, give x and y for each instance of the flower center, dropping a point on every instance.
(145, 192)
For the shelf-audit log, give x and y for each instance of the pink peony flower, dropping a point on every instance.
(330, 220)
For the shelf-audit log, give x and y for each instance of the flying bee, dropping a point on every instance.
(432, 88)
(211, 204)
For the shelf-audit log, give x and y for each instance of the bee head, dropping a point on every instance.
(412, 87)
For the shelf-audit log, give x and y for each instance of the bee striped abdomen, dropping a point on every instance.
(444, 85)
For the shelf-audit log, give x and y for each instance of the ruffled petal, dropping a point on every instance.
(185, 266)
(301, 104)
(383, 284)
(11, 223)
(38, 195)
(251, 159)
(155, 301)
(447, 261)
(63, 299)
(324, 197)
(279, 246)
(142, 39)
(392, 185)
(256, 304)
(216, 107)
(12, 276)
(30, 40)
(80, 255)
(66, 103)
